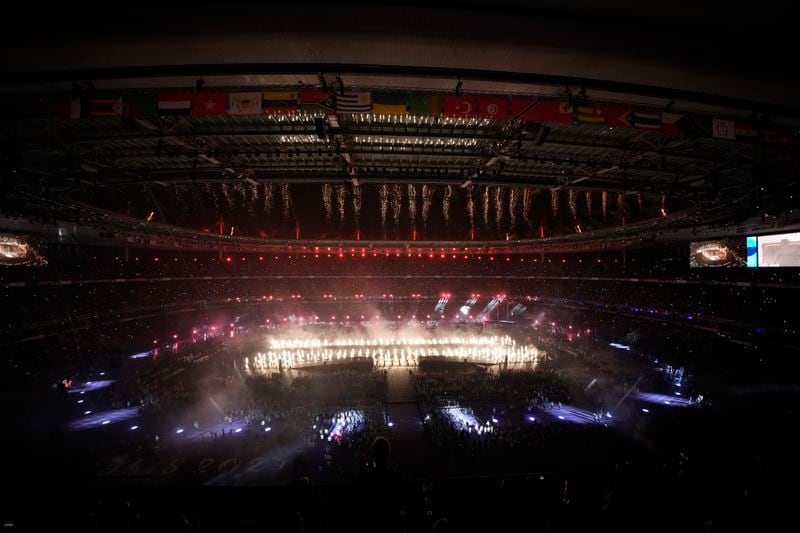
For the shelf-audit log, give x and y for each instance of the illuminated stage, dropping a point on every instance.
(399, 350)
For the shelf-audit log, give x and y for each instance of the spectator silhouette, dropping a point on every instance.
(380, 490)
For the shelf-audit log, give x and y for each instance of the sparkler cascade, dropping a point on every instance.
(390, 351)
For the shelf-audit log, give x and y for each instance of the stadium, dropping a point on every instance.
(399, 267)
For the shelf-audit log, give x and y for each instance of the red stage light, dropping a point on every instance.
(229, 259)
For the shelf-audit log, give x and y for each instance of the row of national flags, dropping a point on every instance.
(491, 107)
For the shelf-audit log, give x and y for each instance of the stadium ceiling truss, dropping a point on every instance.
(381, 148)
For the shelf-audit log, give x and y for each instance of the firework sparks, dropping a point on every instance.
(499, 193)
(341, 193)
(427, 197)
(227, 194)
(412, 203)
(513, 200)
(639, 200)
(389, 351)
(554, 202)
(253, 190)
(573, 203)
(527, 200)
(486, 206)
(448, 195)
(286, 196)
(327, 201)
(397, 204)
(269, 194)
(470, 207)
(588, 195)
(383, 194)
(621, 206)
(605, 204)
(357, 204)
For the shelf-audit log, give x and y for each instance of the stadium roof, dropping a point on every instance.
(554, 97)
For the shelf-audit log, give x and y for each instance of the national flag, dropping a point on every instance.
(279, 103)
(389, 103)
(244, 104)
(590, 113)
(460, 106)
(69, 108)
(723, 129)
(670, 122)
(525, 108)
(354, 102)
(646, 119)
(619, 116)
(139, 106)
(493, 107)
(209, 104)
(558, 111)
(314, 101)
(424, 104)
(746, 132)
(776, 136)
(174, 104)
(105, 107)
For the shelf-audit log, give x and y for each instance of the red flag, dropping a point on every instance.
(316, 101)
(208, 103)
(556, 111)
(493, 107)
(460, 106)
(776, 136)
(524, 108)
(619, 116)
(69, 108)
(745, 131)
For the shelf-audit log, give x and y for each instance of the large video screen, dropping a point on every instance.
(752, 252)
(781, 250)
(718, 253)
(22, 250)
